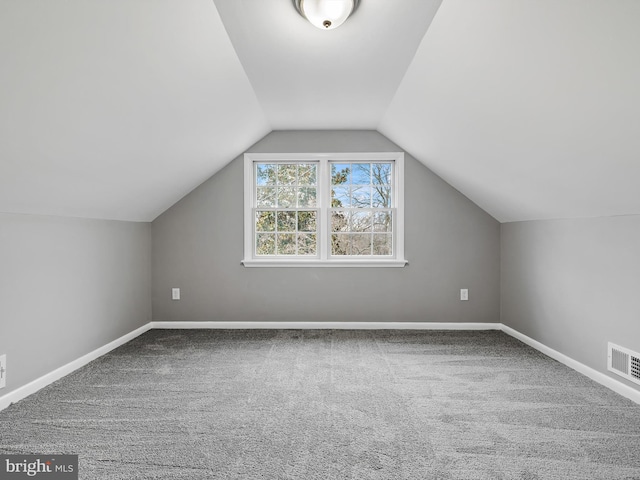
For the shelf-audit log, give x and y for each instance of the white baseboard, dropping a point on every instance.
(328, 325)
(601, 378)
(58, 373)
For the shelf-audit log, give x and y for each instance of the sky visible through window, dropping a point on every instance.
(360, 209)
(361, 215)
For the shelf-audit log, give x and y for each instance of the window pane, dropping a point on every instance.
(361, 197)
(307, 174)
(340, 244)
(266, 196)
(361, 173)
(307, 196)
(307, 244)
(361, 221)
(306, 221)
(361, 244)
(286, 197)
(383, 222)
(357, 220)
(287, 173)
(381, 197)
(382, 244)
(340, 221)
(286, 221)
(265, 221)
(340, 197)
(340, 173)
(286, 244)
(265, 174)
(381, 174)
(265, 244)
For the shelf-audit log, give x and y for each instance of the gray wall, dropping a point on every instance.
(67, 287)
(450, 244)
(574, 285)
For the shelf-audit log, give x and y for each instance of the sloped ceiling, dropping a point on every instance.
(118, 109)
(529, 107)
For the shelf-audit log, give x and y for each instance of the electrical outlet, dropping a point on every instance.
(175, 294)
(464, 294)
(3, 371)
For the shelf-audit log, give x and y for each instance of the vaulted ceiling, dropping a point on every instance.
(118, 109)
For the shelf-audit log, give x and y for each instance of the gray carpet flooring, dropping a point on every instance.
(332, 404)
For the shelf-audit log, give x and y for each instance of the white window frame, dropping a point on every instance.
(324, 258)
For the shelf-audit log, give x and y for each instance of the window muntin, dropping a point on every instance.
(361, 209)
(324, 209)
(285, 223)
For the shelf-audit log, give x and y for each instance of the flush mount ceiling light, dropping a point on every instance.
(326, 14)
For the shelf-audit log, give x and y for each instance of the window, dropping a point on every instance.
(324, 210)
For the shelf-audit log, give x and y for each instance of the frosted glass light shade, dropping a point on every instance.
(326, 14)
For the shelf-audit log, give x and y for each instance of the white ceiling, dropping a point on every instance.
(117, 109)
(307, 78)
(531, 108)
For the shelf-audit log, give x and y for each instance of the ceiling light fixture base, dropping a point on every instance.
(326, 14)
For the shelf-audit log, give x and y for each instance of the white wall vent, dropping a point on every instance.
(624, 362)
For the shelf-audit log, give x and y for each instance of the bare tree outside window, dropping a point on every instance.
(361, 209)
(324, 209)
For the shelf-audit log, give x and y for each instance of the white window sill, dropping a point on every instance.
(324, 263)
